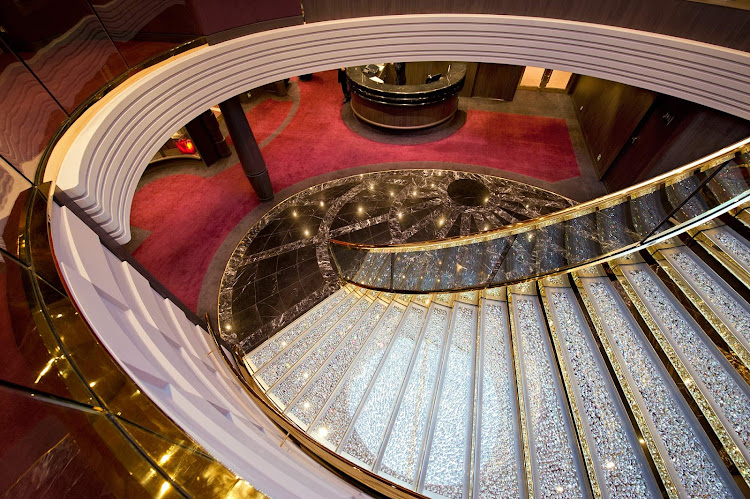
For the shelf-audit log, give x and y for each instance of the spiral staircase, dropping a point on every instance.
(551, 388)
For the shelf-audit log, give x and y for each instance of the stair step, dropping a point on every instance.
(553, 463)
(615, 460)
(687, 461)
(508, 392)
(722, 306)
(499, 449)
(315, 394)
(720, 392)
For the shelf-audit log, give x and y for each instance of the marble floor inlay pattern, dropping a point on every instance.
(282, 266)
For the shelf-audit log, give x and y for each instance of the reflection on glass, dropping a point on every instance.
(25, 356)
(601, 229)
(142, 29)
(65, 46)
(28, 115)
(49, 447)
(13, 187)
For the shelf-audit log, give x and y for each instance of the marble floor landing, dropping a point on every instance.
(282, 268)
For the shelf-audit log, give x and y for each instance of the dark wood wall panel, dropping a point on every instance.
(497, 81)
(708, 23)
(708, 131)
(608, 112)
(662, 125)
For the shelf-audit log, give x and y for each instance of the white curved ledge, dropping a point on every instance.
(173, 362)
(101, 167)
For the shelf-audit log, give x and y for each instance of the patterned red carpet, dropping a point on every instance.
(190, 216)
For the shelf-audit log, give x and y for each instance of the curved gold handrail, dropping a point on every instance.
(598, 230)
(607, 201)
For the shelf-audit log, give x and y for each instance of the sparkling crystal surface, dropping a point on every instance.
(341, 411)
(447, 465)
(498, 464)
(403, 448)
(552, 447)
(367, 434)
(731, 310)
(695, 469)
(317, 392)
(293, 382)
(735, 248)
(728, 394)
(622, 474)
(275, 369)
(270, 349)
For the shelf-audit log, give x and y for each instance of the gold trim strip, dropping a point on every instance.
(700, 398)
(653, 450)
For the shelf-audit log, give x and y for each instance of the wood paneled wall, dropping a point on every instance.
(494, 81)
(714, 24)
(674, 133)
(608, 112)
(497, 81)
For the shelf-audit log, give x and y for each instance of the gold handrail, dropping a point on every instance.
(607, 201)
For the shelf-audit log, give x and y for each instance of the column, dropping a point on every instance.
(247, 148)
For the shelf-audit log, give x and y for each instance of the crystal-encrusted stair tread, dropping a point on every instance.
(720, 391)
(406, 434)
(616, 463)
(289, 385)
(687, 461)
(446, 465)
(498, 455)
(717, 301)
(270, 373)
(553, 463)
(256, 359)
(364, 437)
(731, 246)
(336, 418)
(315, 395)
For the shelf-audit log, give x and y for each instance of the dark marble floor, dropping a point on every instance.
(282, 266)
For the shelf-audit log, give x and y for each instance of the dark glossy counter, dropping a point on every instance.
(405, 106)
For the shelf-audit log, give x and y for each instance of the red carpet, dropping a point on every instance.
(189, 217)
(265, 118)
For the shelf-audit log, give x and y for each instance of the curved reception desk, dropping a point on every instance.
(409, 106)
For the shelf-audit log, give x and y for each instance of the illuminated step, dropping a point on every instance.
(729, 248)
(366, 434)
(615, 459)
(274, 345)
(719, 390)
(315, 394)
(270, 373)
(553, 463)
(286, 387)
(399, 324)
(687, 461)
(446, 470)
(498, 469)
(721, 305)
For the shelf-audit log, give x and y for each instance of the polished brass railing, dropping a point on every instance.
(585, 234)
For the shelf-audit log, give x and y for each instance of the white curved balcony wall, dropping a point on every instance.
(101, 164)
(170, 360)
